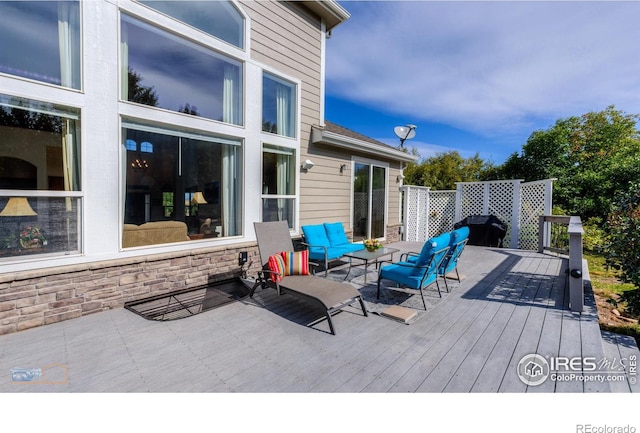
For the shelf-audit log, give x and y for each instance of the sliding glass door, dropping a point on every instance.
(369, 200)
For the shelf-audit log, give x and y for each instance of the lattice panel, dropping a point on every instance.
(430, 213)
(442, 212)
(471, 199)
(416, 220)
(533, 205)
(501, 204)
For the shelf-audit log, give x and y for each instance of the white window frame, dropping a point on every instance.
(372, 163)
(269, 147)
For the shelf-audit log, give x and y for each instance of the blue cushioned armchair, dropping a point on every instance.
(327, 242)
(423, 271)
(459, 238)
(457, 242)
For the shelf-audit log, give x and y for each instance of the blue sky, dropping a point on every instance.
(479, 76)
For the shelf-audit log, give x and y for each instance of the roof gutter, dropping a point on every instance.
(322, 136)
(330, 10)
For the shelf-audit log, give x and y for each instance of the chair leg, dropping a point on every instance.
(424, 303)
(259, 282)
(438, 286)
(364, 308)
(330, 323)
(446, 285)
(253, 289)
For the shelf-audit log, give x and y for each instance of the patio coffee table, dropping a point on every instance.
(368, 257)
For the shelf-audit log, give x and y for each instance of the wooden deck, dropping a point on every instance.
(509, 304)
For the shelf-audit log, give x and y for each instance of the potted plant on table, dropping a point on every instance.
(372, 244)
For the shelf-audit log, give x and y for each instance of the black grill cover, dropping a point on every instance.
(484, 230)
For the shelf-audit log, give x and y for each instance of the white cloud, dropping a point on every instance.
(427, 150)
(493, 68)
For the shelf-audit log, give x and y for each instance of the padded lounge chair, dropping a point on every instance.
(274, 238)
(423, 272)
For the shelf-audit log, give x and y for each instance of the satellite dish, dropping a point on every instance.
(406, 132)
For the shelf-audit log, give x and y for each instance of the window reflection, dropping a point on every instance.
(39, 146)
(41, 41)
(278, 184)
(278, 106)
(39, 150)
(218, 18)
(190, 178)
(162, 70)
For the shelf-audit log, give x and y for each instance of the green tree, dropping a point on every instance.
(591, 157)
(138, 93)
(189, 109)
(442, 171)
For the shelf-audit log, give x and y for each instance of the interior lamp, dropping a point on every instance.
(198, 198)
(17, 206)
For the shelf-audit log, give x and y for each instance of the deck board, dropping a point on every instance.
(509, 303)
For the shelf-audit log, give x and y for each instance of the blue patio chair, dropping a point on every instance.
(421, 273)
(327, 242)
(459, 238)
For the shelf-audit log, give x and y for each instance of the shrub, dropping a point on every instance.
(594, 235)
(622, 250)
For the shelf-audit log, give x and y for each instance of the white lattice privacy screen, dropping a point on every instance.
(518, 204)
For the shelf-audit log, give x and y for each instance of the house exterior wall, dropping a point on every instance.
(284, 39)
(288, 38)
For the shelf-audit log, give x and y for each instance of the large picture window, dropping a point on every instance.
(278, 184)
(173, 175)
(40, 167)
(160, 69)
(218, 18)
(41, 41)
(278, 106)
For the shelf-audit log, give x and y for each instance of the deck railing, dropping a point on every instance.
(563, 234)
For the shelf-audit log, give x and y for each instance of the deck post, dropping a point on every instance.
(576, 280)
(542, 240)
(515, 213)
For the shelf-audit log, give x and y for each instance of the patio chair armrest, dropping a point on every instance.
(315, 246)
(405, 256)
(312, 267)
(267, 271)
(410, 265)
(326, 250)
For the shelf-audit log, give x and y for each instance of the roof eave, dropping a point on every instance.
(322, 136)
(330, 10)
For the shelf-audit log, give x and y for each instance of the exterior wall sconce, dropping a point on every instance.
(343, 167)
(400, 178)
(307, 164)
